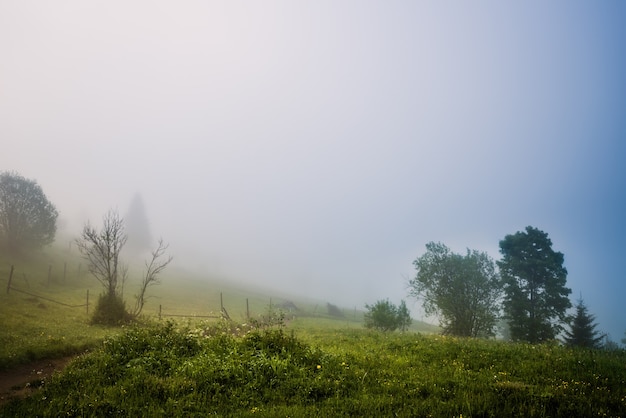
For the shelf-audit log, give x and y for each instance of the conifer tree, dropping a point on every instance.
(536, 298)
(583, 331)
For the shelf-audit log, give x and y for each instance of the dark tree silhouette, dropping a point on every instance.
(533, 276)
(583, 331)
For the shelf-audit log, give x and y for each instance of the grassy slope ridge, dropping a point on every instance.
(316, 366)
(33, 328)
(166, 370)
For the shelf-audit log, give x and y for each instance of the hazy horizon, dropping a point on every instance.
(318, 146)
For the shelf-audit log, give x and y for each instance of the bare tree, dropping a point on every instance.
(153, 268)
(102, 250)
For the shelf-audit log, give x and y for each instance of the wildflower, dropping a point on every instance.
(319, 367)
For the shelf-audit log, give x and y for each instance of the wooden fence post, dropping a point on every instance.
(87, 301)
(10, 278)
(160, 312)
(221, 303)
(64, 270)
(49, 273)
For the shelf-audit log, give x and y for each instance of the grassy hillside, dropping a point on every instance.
(44, 313)
(309, 364)
(206, 370)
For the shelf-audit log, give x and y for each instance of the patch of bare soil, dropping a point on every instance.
(25, 379)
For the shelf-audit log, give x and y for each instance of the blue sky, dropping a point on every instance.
(318, 146)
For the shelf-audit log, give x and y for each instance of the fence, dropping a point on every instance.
(223, 312)
(11, 287)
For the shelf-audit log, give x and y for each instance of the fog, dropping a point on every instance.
(316, 147)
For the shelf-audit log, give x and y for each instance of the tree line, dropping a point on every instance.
(526, 290)
(524, 294)
(469, 293)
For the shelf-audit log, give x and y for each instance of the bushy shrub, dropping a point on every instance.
(110, 310)
(386, 316)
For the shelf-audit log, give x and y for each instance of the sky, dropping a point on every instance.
(316, 147)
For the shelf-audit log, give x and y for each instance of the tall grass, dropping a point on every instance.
(169, 370)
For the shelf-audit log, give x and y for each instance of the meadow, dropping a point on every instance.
(275, 364)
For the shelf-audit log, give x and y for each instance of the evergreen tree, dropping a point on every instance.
(533, 276)
(583, 331)
(137, 227)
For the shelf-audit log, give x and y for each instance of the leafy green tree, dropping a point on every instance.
(463, 290)
(583, 331)
(386, 316)
(27, 217)
(533, 277)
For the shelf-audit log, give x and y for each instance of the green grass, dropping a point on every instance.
(314, 365)
(36, 327)
(168, 370)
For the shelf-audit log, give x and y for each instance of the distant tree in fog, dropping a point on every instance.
(27, 218)
(582, 332)
(137, 226)
(462, 290)
(533, 277)
(385, 316)
(334, 310)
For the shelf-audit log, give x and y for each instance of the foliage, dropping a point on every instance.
(533, 276)
(110, 310)
(385, 316)
(272, 318)
(462, 290)
(583, 331)
(27, 217)
(167, 370)
(404, 316)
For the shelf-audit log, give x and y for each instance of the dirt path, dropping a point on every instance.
(25, 379)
